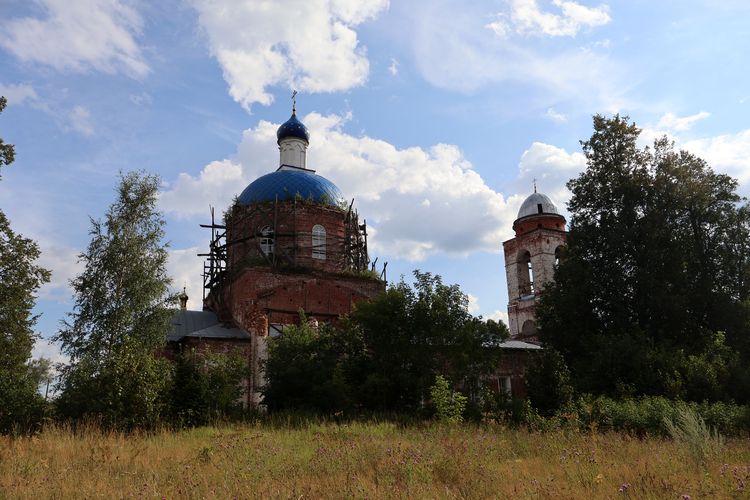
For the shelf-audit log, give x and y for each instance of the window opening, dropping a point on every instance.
(539, 208)
(558, 255)
(504, 386)
(266, 240)
(525, 274)
(318, 242)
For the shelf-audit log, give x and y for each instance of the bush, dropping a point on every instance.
(449, 404)
(548, 383)
(207, 387)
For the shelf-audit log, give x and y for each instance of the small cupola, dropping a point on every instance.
(293, 139)
(183, 297)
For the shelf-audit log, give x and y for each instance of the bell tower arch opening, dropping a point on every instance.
(525, 274)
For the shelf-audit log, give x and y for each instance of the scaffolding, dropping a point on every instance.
(269, 234)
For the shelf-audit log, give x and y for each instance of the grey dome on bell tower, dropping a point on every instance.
(537, 204)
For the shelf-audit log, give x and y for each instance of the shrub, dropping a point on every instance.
(449, 404)
(548, 383)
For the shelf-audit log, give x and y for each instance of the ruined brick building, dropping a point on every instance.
(289, 243)
(530, 260)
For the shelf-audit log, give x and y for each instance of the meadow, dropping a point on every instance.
(368, 460)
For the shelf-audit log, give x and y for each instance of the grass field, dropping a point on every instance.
(365, 461)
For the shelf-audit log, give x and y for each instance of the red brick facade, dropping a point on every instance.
(260, 292)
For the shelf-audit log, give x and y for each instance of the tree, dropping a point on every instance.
(121, 314)
(548, 383)
(656, 267)
(7, 151)
(413, 334)
(386, 354)
(21, 406)
(206, 387)
(309, 367)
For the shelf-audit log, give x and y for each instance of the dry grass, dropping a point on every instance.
(365, 461)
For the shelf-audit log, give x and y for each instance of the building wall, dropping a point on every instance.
(513, 364)
(280, 295)
(292, 224)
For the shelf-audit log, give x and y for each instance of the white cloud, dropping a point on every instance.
(555, 116)
(729, 153)
(309, 45)
(18, 93)
(459, 51)
(498, 315)
(63, 263)
(79, 36)
(551, 168)
(526, 18)
(396, 189)
(215, 186)
(44, 348)
(80, 121)
(670, 121)
(393, 68)
(473, 303)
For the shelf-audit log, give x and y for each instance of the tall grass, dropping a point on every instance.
(382, 459)
(691, 430)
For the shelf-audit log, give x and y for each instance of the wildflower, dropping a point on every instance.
(685, 497)
(624, 487)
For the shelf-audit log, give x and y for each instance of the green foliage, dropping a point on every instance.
(21, 406)
(413, 334)
(385, 356)
(307, 368)
(121, 314)
(206, 388)
(657, 265)
(548, 383)
(449, 404)
(7, 151)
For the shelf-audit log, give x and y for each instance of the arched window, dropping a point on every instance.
(318, 242)
(558, 255)
(525, 274)
(266, 240)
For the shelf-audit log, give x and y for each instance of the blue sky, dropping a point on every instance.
(435, 115)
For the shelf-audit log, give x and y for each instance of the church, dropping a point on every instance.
(292, 242)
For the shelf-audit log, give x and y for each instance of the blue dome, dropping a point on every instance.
(288, 184)
(293, 128)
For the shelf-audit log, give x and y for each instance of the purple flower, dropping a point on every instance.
(624, 487)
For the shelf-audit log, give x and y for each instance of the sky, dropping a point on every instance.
(434, 115)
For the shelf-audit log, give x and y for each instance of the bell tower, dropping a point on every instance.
(530, 261)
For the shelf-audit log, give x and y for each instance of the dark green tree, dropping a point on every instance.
(656, 267)
(121, 316)
(386, 354)
(206, 388)
(21, 406)
(413, 334)
(548, 384)
(308, 368)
